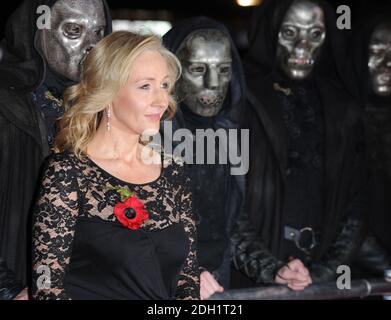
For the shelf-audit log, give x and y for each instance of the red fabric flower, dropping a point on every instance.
(131, 213)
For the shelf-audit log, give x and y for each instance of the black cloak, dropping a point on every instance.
(345, 175)
(23, 139)
(377, 112)
(217, 195)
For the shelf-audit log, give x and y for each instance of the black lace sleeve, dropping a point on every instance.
(54, 221)
(249, 254)
(189, 281)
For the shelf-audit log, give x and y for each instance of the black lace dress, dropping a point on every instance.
(86, 253)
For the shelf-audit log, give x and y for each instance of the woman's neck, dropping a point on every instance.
(114, 144)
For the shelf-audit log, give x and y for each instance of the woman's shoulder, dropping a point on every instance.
(65, 160)
(173, 163)
(170, 160)
(174, 166)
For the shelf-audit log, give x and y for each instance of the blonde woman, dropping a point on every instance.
(108, 224)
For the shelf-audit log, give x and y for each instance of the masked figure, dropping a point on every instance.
(206, 57)
(211, 95)
(380, 60)
(300, 40)
(372, 58)
(305, 192)
(37, 65)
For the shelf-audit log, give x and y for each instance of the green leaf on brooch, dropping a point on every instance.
(124, 192)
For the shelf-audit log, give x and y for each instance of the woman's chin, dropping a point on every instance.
(151, 131)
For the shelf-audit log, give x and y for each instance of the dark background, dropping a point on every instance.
(225, 11)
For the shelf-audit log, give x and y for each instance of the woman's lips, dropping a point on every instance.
(153, 117)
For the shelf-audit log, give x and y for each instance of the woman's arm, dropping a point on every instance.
(189, 280)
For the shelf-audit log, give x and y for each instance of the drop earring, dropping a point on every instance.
(108, 114)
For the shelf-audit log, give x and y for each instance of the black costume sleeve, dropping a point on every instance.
(341, 252)
(189, 278)
(351, 230)
(250, 256)
(54, 223)
(9, 287)
(11, 220)
(373, 257)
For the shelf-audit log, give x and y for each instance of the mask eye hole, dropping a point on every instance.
(197, 69)
(72, 30)
(288, 33)
(225, 69)
(316, 34)
(376, 50)
(100, 32)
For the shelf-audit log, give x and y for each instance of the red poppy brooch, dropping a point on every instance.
(130, 211)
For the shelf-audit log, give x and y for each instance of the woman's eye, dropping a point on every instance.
(145, 87)
(166, 85)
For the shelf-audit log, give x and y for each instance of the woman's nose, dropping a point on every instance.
(161, 98)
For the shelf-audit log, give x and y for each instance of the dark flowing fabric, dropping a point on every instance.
(23, 136)
(218, 195)
(377, 112)
(303, 120)
(91, 255)
(359, 54)
(344, 196)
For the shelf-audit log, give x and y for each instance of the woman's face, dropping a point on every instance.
(141, 103)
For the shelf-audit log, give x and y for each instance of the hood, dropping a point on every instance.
(228, 116)
(360, 50)
(22, 66)
(260, 59)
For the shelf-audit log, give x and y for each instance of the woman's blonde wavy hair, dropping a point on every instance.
(105, 71)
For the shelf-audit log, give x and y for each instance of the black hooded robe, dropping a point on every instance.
(337, 195)
(375, 254)
(217, 195)
(23, 138)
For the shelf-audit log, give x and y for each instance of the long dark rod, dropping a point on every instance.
(324, 291)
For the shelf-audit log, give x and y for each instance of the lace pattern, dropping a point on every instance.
(73, 188)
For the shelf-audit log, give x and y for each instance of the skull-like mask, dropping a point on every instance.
(206, 59)
(380, 60)
(76, 27)
(300, 39)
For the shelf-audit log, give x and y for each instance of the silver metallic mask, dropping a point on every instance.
(300, 39)
(206, 59)
(380, 60)
(76, 27)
